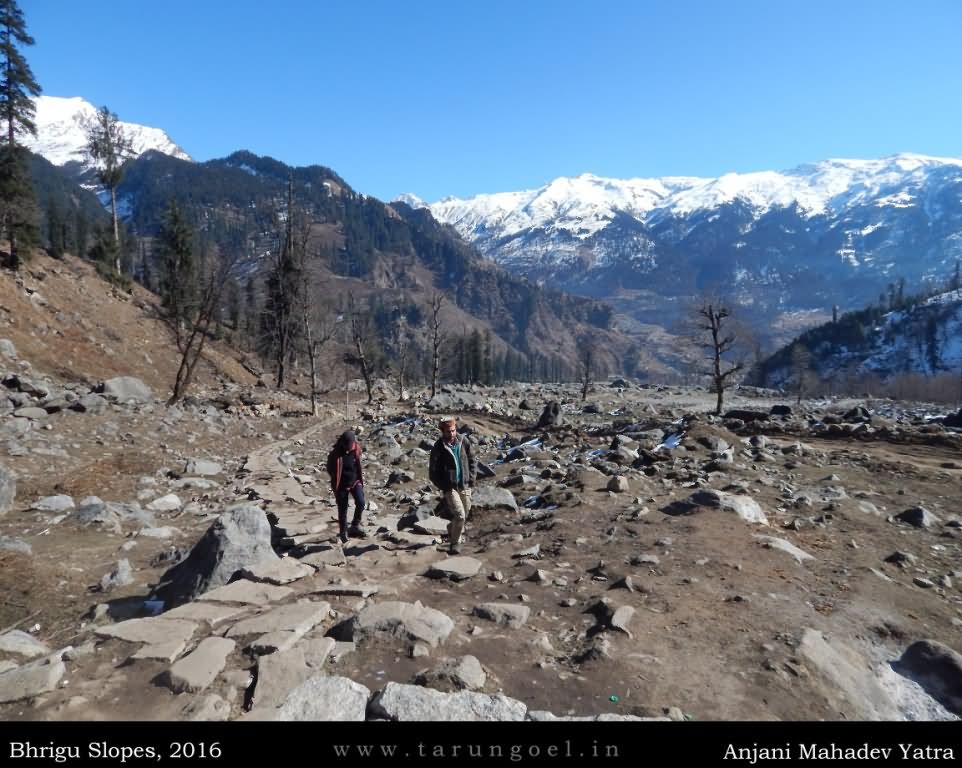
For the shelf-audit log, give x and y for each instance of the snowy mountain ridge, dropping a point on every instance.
(584, 204)
(62, 132)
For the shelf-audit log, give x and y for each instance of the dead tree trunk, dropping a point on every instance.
(437, 338)
(586, 365)
(360, 342)
(712, 321)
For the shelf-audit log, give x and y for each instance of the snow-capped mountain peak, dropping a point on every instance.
(62, 132)
(410, 199)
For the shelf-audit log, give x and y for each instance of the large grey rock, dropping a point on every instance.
(455, 674)
(238, 539)
(167, 503)
(92, 511)
(618, 484)
(53, 504)
(323, 698)
(152, 631)
(31, 412)
(503, 613)
(920, 517)
(31, 679)
(124, 389)
(487, 497)
(202, 467)
(284, 570)
(411, 622)
(7, 349)
(454, 568)
(22, 643)
(388, 446)
(412, 702)
(551, 416)
(199, 668)
(297, 617)
(278, 674)
(8, 489)
(247, 592)
(743, 506)
(772, 542)
(431, 526)
(846, 679)
(210, 613)
(937, 668)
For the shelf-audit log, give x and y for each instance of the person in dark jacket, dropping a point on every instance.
(453, 470)
(347, 480)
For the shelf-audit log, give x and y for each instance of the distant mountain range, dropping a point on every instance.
(783, 247)
(777, 243)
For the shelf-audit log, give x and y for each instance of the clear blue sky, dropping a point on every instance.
(458, 98)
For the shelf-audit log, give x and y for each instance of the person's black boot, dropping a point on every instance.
(357, 532)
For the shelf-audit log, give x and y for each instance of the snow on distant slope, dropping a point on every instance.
(585, 204)
(62, 132)
(581, 205)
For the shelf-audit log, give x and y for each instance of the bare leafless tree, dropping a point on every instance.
(402, 347)
(319, 328)
(437, 339)
(712, 319)
(587, 369)
(360, 333)
(191, 342)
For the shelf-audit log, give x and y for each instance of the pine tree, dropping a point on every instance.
(18, 201)
(284, 283)
(177, 267)
(55, 230)
(81, 233)
(109, 148)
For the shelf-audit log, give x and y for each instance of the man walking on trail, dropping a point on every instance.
(344, 467)
(453, 470)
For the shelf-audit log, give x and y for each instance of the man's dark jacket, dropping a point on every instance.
(442, 469)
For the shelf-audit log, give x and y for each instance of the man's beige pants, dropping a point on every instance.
(458, 503)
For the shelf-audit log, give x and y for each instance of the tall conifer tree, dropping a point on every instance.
(178, 268)
(109, 148)
(18, 201)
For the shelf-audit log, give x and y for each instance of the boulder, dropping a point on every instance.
(238, 539)
(125, 389)
(551, 416)
(413, 703)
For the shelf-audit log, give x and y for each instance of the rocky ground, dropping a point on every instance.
(627, 556)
